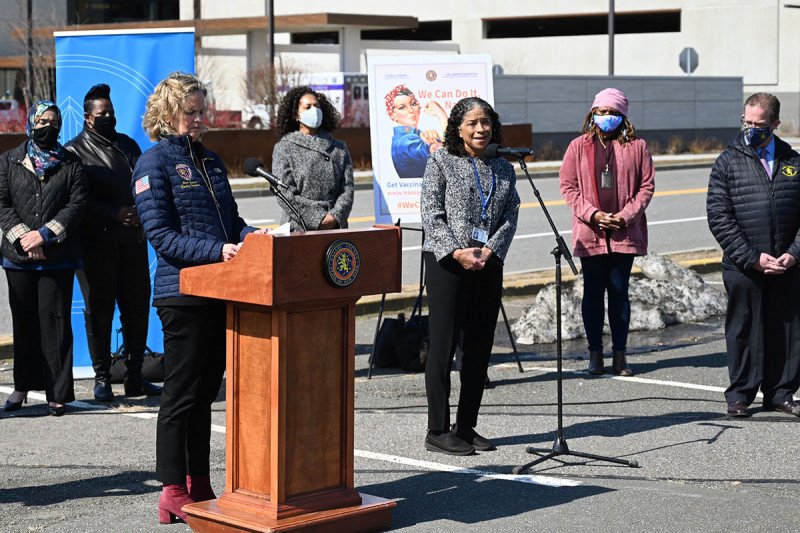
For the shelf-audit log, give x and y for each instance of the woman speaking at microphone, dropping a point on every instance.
(316, 167)
(607, 180)
(188, 213)
(469, 214)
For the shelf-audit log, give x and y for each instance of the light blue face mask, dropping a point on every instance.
(607, 123)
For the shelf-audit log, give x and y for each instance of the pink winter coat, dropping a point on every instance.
(634, 186)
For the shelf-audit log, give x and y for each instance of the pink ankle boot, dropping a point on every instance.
(173, 497)
(199, 488)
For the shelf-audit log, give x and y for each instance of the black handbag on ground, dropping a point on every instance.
(411, 341)
(152, 367)
(385, 355)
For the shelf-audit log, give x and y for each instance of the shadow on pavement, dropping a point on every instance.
(131, 482)
(466, 499)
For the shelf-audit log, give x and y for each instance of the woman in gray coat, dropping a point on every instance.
(469, 212)
(316, 167)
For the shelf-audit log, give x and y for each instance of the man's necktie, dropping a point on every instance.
(762, 153)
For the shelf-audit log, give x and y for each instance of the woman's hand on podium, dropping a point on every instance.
(229, 251)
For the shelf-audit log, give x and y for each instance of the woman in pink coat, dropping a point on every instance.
(607, 180)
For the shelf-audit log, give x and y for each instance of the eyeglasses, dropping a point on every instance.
(747, 124)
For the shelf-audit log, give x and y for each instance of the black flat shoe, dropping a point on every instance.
(470, 436)
(13, 406)
(56, 410)
(141, 387)
(103, 392)
(448, 443)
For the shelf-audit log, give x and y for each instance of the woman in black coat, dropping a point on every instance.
(43, 194)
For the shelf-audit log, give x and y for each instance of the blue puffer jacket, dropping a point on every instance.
(188, 213)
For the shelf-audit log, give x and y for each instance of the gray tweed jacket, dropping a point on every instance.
(451, 204)
(319, 173)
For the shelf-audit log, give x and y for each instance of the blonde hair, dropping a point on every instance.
(167, 102)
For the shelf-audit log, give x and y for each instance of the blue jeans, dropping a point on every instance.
(609, 272)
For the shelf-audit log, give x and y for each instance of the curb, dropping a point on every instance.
(527, 285)
(519, 285)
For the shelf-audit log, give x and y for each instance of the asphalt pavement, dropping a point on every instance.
(93, 469)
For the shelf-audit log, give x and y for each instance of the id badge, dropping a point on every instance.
(480, 235)
(606, 179)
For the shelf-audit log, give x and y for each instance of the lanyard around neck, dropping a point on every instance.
(484, 199)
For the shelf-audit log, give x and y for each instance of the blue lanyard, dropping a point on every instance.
(484, 199)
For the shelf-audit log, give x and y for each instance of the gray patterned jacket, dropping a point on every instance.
(451, 204)
(319, 173)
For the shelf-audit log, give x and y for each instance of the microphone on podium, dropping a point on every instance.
(255, 168)
(495, 150)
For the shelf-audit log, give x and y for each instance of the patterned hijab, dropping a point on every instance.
(41, 158)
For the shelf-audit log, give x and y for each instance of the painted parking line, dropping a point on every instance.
(395, 459)
(631, 379)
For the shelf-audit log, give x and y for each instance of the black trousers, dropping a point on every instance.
(459, 301)
(762, 335)
(115, 271)
(41, 303)
(194, 362)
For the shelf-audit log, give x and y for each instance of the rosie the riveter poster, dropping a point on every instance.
(410, 99)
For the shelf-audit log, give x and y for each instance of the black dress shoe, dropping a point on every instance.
(56, 410)
(447, 443)
(141, 387)
(13, 406)
(103, 392)
(737, 409)
(789, 407)
(470, 436)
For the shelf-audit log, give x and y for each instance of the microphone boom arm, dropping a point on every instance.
(294, 210)
(560, 243)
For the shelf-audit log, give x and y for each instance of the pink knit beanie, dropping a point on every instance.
(613, 98)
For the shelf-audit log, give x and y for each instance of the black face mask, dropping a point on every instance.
(45, 137)
(105, 126)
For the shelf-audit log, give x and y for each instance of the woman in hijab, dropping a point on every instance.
(43, 194)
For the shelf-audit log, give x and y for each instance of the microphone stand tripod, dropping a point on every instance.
(280, 195)
(560, 446)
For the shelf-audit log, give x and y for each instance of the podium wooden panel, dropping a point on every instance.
(290, 382)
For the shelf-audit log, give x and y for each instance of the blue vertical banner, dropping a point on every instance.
(131, 63)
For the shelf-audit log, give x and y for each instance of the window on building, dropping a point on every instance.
(432, 30)
(107, 11)
(320, 37)
(589, 24)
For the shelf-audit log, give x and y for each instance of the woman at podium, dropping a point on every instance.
(190, 217)
(316, 167)
(469, 209)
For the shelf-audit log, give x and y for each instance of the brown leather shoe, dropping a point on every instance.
(789, 407)
(620, 364)
(737, 409)
(596, 362)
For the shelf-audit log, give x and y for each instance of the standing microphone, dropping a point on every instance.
(495, 150)
(255, 168)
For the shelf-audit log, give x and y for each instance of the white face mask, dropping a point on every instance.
(311, 117)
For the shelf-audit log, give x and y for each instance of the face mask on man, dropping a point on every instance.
(757, 136)
(45, 137)
(311, 117)
(105, 126)
(607, 123)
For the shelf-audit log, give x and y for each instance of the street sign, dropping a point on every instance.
(688, 60)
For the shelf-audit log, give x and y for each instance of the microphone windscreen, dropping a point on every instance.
(491, 150)
(250, 166)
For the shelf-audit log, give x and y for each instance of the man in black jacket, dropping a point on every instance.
(115, 260)
(753, 209)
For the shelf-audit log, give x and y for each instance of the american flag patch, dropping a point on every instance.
(142, 184)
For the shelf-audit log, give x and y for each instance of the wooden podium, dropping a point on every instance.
(290, 378)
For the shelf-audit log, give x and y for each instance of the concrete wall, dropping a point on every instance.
(659, 107)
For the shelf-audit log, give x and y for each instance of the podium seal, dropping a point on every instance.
(342, 263)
